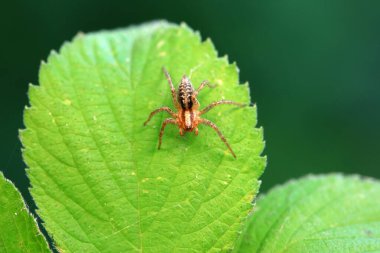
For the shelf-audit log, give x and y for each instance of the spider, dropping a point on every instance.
(187, 117)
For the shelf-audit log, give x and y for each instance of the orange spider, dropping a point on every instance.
(188, 117)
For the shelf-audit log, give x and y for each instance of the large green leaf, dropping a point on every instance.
(318, 214)
(18, 229)
(99, 181)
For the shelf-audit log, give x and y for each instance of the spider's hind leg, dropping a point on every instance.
(174, 94)
(201, 86)
(221, 102)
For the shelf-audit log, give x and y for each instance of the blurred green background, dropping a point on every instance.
(313, 67)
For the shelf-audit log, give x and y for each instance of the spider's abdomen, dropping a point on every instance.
(185, 91)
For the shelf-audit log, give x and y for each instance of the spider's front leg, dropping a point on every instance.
(213, 126)
(166, 121)
(165, 108)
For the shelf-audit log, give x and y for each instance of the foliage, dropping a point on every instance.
(18, 229)
(332, 213)
(97, 177)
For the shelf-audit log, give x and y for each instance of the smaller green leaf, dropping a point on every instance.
(332, 213)
(18, 229)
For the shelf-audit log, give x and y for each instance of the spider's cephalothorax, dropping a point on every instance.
(187, 117)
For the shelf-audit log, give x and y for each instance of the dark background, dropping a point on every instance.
(313, 67)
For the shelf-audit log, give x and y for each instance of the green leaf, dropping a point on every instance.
(332, 213)
(101, 184)
(18, 229)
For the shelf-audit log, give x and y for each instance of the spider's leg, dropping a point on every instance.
(213, 126)
(201, 86)
(221, 102)
(165, 108)
(166, 121)
(174, 94)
